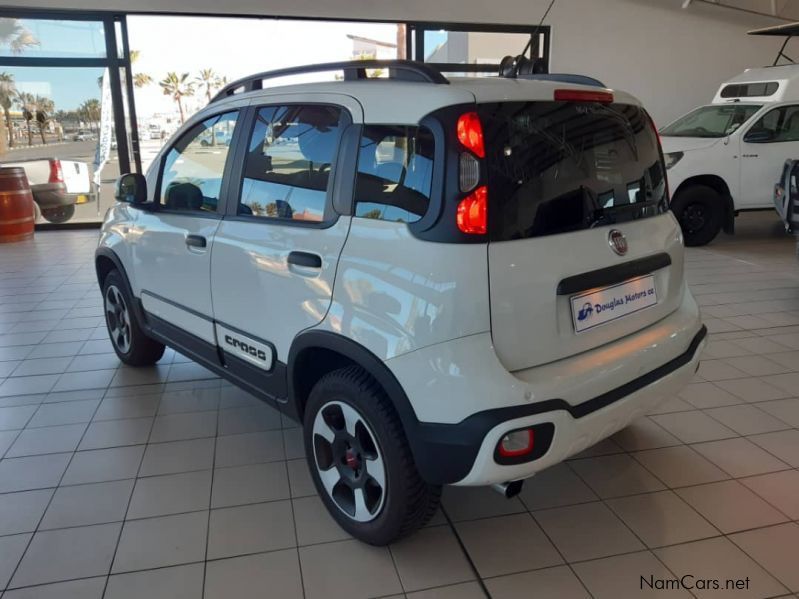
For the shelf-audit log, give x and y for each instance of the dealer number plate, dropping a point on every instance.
(607, 304)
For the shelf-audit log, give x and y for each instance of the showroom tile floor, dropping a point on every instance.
(166, 482)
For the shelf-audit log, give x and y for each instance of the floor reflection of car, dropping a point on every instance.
(57, 186)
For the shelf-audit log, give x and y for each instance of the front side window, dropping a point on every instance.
(395, 173)
(780, 124)
(193, 168)
(289, 160)
(556, 167)
(711, 121)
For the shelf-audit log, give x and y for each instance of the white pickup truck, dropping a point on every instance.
(57, 186)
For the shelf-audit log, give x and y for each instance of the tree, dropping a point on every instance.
(139, 79)
(8, 92)
(90, 111)
(27, 102)
(178, 87)
(44, 109)
(16, 36)
(209, 81)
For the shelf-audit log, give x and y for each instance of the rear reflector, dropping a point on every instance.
(582, 95)
(516, 443)
(469, 172)
(56, 173)
(470, 133)
(472, 214)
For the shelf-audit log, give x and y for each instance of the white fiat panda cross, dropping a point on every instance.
(446, 281)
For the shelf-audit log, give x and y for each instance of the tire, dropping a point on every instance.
(130, 343)
(59, 215)
(344, 465)
(700, 212)
(37, 213)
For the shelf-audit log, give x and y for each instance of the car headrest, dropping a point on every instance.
(183, 196)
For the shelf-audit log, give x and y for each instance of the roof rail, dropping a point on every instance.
(565, 78)
(354, 70)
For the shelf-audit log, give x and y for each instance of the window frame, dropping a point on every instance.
(342, 170)
(224, 189)
(759, 118)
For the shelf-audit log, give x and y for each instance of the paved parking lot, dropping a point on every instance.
(167, 482)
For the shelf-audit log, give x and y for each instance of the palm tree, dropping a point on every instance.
(14, 35)
(139, 79)
(178, 87)
(44, 111)
(27, 102)
(8, 91)
(90, 111)
(208, 80)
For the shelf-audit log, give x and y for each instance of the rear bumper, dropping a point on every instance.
(587, 397)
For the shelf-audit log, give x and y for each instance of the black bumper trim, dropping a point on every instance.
(613, 274)
(449, 450)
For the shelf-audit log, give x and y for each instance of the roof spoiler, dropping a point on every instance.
(564, 78)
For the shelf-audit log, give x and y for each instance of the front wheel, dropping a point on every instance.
(700, 211)
(130, 343)
(360, 460)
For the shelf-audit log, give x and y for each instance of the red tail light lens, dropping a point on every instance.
(56, 174)
(470, 133)
(516, 443)
(473, 212)
(582, 95)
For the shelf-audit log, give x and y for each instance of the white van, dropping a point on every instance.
(724, 158)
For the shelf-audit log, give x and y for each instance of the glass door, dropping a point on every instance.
(65, 111)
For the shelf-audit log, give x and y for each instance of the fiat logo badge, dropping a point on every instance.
(617, 242)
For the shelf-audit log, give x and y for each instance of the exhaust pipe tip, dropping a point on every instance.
(508, 489)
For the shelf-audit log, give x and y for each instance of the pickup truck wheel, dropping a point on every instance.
(130, 343)
(59, 215)
(700, 212)
(37, 212)
(360, 461)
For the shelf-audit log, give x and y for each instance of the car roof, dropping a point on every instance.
(407, 102)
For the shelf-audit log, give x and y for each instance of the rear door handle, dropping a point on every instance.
(196, 241)
(305, 259)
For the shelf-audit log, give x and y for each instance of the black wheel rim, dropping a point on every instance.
(693, 218)
(117, 319)
(348, 461)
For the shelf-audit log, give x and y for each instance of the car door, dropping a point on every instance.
(172, 249)
(276, 251)
(765, 146)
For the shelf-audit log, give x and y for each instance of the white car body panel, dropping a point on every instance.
(175, 315)
(395, 293)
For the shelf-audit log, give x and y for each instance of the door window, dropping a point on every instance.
(193, 168)
(780, 124)
(288, 164)
(395, 173)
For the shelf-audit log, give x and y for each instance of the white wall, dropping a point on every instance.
(673, 59)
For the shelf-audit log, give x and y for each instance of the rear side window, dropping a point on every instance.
(395, 173)
(287, 168)
(556, 167)
(750, 90)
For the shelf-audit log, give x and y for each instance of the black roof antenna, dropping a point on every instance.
(512, 66)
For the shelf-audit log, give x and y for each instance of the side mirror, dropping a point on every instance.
(759, 136)
(131, 188)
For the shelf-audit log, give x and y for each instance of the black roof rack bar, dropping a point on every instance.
(405, 70)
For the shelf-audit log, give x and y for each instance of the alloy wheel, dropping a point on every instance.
(348, 461)
(118, 319)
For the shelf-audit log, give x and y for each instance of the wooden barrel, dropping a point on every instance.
(16, 205)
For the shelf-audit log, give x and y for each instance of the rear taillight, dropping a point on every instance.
(56, 173)
(470, 133)
(583, 95)
(472, 213)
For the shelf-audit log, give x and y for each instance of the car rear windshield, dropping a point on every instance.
(556, 167)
